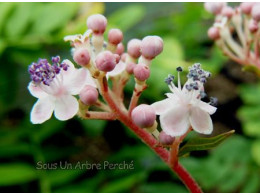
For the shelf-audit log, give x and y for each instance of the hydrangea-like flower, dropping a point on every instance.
(183, 107)
(54, 86)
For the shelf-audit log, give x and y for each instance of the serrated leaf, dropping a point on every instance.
(197, 144)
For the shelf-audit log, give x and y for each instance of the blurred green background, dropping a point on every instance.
(32, 30)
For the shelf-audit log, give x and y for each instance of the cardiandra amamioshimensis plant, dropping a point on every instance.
(57, 83)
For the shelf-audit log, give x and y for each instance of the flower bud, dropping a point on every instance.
(165, 139)
(143, 116)
(115, 36)
(117, 57)
(130, 67)
(81, 56)
(123, 57)
(88, 95)
(213, 33)
(141, 72)
(97, 23)
(253, 26)
(151, 46)
(133, 48)
(256, 12)
(227, 11)
(214, 7)
(120, 49)
(246, 7)
(106, 61)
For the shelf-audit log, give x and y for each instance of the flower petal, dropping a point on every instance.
(206, 107)
(66, 107)
(42, 110)
(201, 121)
(120, 67)
(76, 82)
(90, 80)
(162, 106)
(36, 91)
(70, 71)
(175, 122)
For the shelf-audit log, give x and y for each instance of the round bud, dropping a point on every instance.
(117, 57)
(214, 7)
(120, 49)
(253, 26)
(130, 67)
(165, 139)
(88, 95)
(123, 57)
(106, 61)
(141, 72)
(256, 12)
(133, 48)
(81, 56)
(227, 11)
(246, 7)
(97, 23)
(115, 36)
(151, 46)
(213, 33)
(143, 116)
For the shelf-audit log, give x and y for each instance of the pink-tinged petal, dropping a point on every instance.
(36, 91)
(162, 106)
(119, 68)
(66, 107)
(70, 71)
(201, 121)
(42, 110)
(175, 122)
(90, 80)
(206, 107)
(75, 83)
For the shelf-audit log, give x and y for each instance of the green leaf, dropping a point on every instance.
(5, 9)
(162, 187)
(252, 184)
(255, 150)
(12, 174)
(196, 144)
(250, 93)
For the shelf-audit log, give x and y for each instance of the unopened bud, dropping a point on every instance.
(120, 49)
(151, 46)
(143, 116)
(246, 7)
(141, 72)
(134, 48)
(97, 23)
(88, 95)
(130, 67)
(165, 139)
(123, 57)
(253, 26)
(213, 33)
(256, 12)
(117, 57)
(115, 36)
(214, 7)
(227, 11)
(106, 61)
(81, 56)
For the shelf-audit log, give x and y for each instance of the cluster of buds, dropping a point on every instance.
(236, 31)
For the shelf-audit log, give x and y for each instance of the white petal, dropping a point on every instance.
(76, 82)
(66, 107)
(175, 122)
(72, 37)
(120, 67)
(201, 121)
(162, 106)
(42, 110)
(90, 80)
(36, 91)
(70, 71)
(206, 107)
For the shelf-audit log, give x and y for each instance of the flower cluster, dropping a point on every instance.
(236, 31)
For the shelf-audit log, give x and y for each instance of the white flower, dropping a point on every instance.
(54, 86)
(78, 37)
(183, 107)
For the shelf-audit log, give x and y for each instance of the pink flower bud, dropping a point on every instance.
(151, 46)
(143, 116)
(120, 49)
(106, 61)
(246, 7)
(117, 57)
(253, 26)
(130, 67)
(133, 48)
(165, 139)
(214, 7)
(88, 95)
(97, 23)
(141, 72)
(81, 56)
(227, 11)
(115, 36)
(213, 33)
(256, 12)
(123, 57)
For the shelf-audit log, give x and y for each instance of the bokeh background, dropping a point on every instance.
(32, 30)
